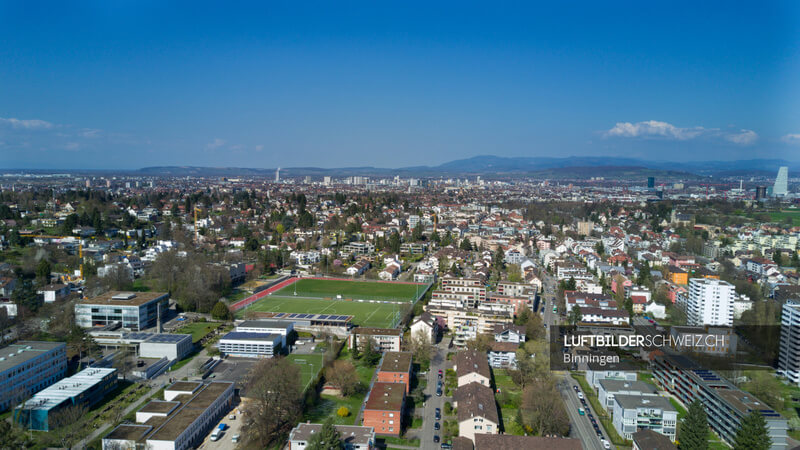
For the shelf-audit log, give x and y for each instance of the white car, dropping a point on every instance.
(606, 445)
(580, 394)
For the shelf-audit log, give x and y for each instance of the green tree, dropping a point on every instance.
(327, 438)
(394, 243)
(575, 315)
(43, 269)
(466, 245)
(693, 431)
(220, 311)
(752, 433)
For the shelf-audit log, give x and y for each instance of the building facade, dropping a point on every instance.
(710, 302)
(133, 310)
(27, 367)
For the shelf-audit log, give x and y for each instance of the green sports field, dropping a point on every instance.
(364, 290)
(310, 365)
(380, 315)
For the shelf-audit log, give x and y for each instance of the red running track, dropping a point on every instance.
(258, 296)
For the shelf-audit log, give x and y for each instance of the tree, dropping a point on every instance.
(220, 311)
(326, 439)
(251, 244)
(343, 411)
(481, 343)
(369, 355)
(575, 315)
(43, 270)
(752, 433)
(343, 375)
(542, 409)
(394, 243)
(276, 402)
(693, 432)
(514, 273)
(466, 245)
(419, 344)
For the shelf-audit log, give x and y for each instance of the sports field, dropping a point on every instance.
(363, 290)
(380, 315)
(309, 365)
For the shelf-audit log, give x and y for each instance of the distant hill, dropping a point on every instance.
(516, 166)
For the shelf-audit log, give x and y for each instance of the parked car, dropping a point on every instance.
(435, 438)
(438, 414)
(436, 426)
(581, 411)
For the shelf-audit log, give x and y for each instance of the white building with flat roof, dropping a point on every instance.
(133, 310)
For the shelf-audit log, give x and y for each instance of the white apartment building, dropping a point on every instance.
(789, 354)
(710, 302)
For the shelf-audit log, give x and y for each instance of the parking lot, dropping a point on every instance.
(232, 427)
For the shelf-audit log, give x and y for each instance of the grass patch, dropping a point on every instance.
(198, 330)
(310, 365)
(398, 441)
(364, 290)
(681, 410)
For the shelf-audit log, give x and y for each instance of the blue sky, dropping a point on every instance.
(332, 84)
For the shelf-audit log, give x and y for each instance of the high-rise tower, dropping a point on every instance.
(781, 186)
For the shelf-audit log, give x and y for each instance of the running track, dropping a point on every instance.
(256, 297)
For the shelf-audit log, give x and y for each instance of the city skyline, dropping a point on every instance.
(119, 87)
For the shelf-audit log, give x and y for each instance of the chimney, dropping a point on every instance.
(158, 318)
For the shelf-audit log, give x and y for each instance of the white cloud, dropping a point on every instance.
(215, 144)
(72, 146)
(791, 138)
(89, 133)
(259, 148)
(742, 137)
(26, 124)
(654, 129)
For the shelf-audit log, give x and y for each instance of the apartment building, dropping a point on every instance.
(633, 413)
(724, 403)
(353, 437)
(383, 409)
(472, 366)
(710, 302)
(382, 339)
(609, 388)
(789, 354)
(466, 324)
(477, 410)
(395, 367)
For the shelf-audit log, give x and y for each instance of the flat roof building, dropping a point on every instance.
(352, 437)
(133, 310)
(633, 413)
(180, 421)
(250, 345)
(28, 367)
(85, 388)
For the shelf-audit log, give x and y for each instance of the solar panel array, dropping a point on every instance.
(306, 316)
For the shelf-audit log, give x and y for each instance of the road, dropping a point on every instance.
(438, 361)
(581, 425)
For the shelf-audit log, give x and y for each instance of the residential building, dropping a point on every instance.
(466, 324)
(27, 367)
(477, 410)
(650, 440)
(789, 353)
(724, 403)
(633, 413)
(608, 388)
(352, 437)
(425, 325)
(595, 373)
(133, 310)
(710, 302)
(677, 275)
(53, 292)
(383, 409)
(85, 388)
(503, 355)
(509, 333)
(181, 421)
(382, 339)
(395, 367)
(472, 366)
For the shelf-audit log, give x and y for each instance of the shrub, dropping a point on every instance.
(343, 412)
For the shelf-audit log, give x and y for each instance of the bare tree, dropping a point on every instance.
(273, 385)
(343, 375)
(64, 424)
(542, 409)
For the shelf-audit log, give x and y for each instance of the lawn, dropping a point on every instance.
(198, 330)
(360, 290)
(310, 365)
(380, 315)
(327, 405)
(784, 214)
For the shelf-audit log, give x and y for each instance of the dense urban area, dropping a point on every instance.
(355, 312)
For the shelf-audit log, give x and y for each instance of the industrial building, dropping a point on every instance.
(181, 421)
(28, 367)
(85, 388)
(135, 311)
